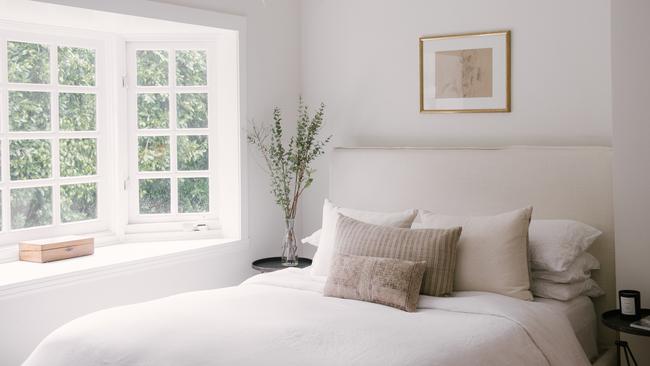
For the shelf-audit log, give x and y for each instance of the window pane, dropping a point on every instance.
(155, 196)
(76, 66)
(152, 68)
(30, 159)
(78, 157)
(77, 112)
(193, 195)
(191, 68)
(78, 202)
(28, 63)
(29, 111)
(153, 111)
(192, 152)
(31, 207)
(192, 110)
(153, 153)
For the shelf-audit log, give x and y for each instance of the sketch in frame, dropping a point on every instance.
(465, 73)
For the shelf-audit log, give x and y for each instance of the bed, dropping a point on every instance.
(282, 318)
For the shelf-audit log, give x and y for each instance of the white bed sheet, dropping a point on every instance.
(582, 315)
(282, 318)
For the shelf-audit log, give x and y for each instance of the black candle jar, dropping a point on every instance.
(630, 304)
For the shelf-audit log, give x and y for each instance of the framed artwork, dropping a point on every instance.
(465, 73)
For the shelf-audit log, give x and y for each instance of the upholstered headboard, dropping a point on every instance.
(559, 182)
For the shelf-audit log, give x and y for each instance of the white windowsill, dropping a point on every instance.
(17, 277)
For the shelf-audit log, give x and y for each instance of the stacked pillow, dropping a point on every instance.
(506, 254)
(561, 265)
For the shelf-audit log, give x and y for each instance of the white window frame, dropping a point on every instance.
(173, 221)
(228, 32)
(42, 36)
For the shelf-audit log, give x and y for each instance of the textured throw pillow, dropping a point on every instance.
(436, 247)
(386, 281)
(579, 270)
(492, 251)
(568, 291)
(323, 257)
(555, 244)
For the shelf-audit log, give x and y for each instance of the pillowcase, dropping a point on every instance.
(386, 281)
(566, 292)
(437, 247)
(492, 251)
(555, 244)
(579, 270)
(312, 239)
(323, 257)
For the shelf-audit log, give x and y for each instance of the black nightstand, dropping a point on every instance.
(275, 263)
(612, 319)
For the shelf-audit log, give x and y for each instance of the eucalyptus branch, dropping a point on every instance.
(289, 166)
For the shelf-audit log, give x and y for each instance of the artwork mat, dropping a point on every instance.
(500, 100)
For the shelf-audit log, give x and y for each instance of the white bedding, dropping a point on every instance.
(282, 318)
(582, 317)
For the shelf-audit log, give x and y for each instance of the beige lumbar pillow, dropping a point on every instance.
(386, 281)
(436, 247)
(492, 251)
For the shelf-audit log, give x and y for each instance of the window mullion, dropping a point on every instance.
(4, 143)
(172, 124)
(54, 113)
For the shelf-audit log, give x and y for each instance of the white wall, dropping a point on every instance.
(630, 92)
(361, 58)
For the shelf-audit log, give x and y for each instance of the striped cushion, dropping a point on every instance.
(437, 247)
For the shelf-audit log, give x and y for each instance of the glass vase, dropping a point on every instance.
(289, 245)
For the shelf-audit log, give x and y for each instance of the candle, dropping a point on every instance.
(630, 304)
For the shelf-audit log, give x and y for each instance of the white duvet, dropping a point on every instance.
(282, 318)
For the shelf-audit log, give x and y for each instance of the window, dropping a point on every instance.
(172, 128)
(121, 131)
(50, 134)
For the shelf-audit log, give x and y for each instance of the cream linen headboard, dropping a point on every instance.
(559, 182)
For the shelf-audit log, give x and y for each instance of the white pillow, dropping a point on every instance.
(579, 270)
(312, 239)
(492, 251)
(555, 244)
(326, 246)
(566, 292)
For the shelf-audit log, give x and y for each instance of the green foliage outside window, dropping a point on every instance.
(77, 112)
(193, 195)
(29, 111)
(76, 66)
(78, 157)
(155, 196)
(191, 68)
(152, 67)
(192, 110)
(78, 202)
(153, 110)
(28, 63)
(31, 207)
(153, 153)
(192, 152)
(30, 159)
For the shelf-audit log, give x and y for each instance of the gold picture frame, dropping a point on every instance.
(486, 53)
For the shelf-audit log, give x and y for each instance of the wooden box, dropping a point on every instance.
(54, 249)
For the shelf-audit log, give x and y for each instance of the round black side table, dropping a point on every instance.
(612, 319)
(275, 263)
